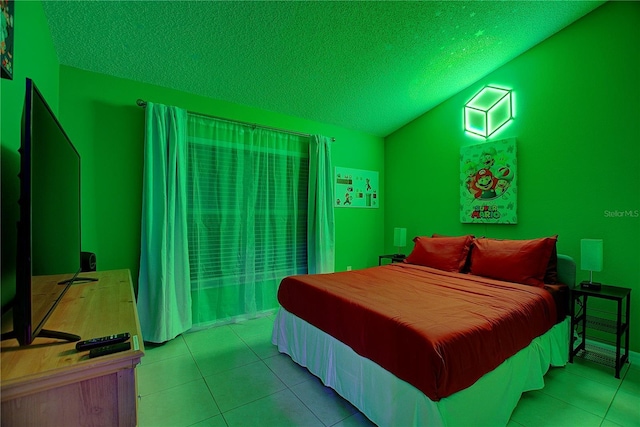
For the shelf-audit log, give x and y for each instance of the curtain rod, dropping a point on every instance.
(143, 104)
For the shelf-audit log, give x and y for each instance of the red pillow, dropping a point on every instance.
(467, 261)
(443, 253)
(436, 235)
(519, 261)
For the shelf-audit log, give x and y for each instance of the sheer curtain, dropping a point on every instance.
(321, 235)
(247, 216)
(164, 290)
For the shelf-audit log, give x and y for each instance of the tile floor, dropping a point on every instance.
(233, 376)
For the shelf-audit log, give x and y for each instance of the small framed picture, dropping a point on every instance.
(6, 38)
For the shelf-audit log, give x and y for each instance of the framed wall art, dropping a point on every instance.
(356, 188)
(6, 38)
(489, 183)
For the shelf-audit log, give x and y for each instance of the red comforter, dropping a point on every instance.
(438, 331)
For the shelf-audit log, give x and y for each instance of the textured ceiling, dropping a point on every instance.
(368, 65)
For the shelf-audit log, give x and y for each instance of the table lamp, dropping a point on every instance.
(399, 239)
(591, 260)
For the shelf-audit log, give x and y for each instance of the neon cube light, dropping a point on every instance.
(488, 111)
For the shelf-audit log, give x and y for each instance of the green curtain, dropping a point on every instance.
(321, 234)
(247, 217)
(164, 293)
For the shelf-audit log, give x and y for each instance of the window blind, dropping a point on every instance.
(247, 212)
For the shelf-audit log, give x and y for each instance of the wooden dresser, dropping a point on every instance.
(49, 383)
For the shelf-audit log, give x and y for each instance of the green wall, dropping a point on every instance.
(578, 103)
(107, 127)
(577, 128)
(35, 57)
(100, 116)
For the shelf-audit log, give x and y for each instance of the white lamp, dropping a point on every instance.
(591, 260)
(399, 238)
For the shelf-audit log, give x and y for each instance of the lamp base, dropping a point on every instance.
(590, 285)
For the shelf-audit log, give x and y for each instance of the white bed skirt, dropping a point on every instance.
(389, 401)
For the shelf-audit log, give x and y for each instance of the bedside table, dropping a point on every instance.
(581, 321)
(392, 257)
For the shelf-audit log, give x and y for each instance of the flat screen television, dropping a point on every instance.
(48, 251)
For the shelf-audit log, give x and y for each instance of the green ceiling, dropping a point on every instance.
(369, 66)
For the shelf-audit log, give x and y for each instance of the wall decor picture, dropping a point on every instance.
(6, 38)
(488, 183)
(356, 188)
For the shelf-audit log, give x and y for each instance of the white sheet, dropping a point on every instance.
(389, 401)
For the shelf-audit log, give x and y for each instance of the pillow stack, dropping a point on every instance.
(531, 262)
(519, 261)
(443, 253)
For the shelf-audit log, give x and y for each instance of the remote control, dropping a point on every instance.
(102, 341)
(109, 349)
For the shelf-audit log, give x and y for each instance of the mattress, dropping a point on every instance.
(438, 331)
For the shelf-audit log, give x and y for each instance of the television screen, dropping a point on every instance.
(55, 195)
(49, 226)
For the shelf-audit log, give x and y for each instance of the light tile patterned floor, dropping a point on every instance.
(233, 376)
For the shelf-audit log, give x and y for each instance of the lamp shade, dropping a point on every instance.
(399, 237)
(591, 254)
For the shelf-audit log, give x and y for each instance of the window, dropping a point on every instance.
(247, 215)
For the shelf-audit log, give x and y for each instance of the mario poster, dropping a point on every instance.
(356, 188)
(488, 183)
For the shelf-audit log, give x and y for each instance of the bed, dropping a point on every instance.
(441, 339)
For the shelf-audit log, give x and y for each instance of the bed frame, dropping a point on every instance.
(389, 401)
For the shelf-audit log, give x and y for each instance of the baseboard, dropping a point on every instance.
(234, 319)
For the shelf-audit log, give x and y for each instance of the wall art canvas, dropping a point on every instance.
(356, 188)
(6, 38)
(489, 183)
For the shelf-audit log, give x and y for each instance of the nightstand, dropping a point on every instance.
(392, 257)
(582, 321)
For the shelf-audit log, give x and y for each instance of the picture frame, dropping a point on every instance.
(6, 38)
(356, 188)
(489, 183)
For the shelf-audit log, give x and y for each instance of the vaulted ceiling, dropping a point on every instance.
(371, 66)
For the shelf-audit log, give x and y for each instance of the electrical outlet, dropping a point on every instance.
(348, 268)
